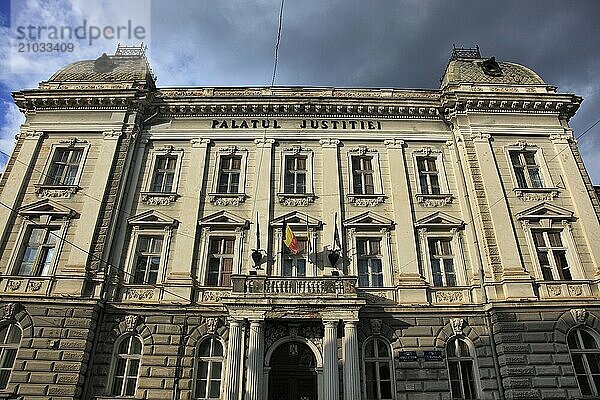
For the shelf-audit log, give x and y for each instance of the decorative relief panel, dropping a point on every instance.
(159, 199)
(56, 192)
(447, 296)
(223, 199)
(434, 200)
(536, 194)
(139, 294)
(295, 200)
(365, 200)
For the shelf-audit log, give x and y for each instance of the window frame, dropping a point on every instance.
(23, 245)
(37, 215)
(556, 272)
(10, 346)
(442, 226)
(297, 199)
(368, 257)
(113, 365)
(149, 223)
(232, 198)
(585, 352)
(547, 217)
(431, 199)
(297, 221)
(376, 359)
(222, 224)
(475, 368)
(62, 145)
(45, 190)
(211, 359)
(136, 234)
(365, 199)
(371, 225)
(547, 183)
(221, 256)
(155, 154)
(443, 264)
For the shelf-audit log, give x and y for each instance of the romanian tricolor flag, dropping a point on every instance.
(289, 239)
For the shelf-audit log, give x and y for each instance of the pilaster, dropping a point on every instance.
(587, 217)
(406, 248)
(179, 273)
(332, 197)
(516, 280)
(262, 197)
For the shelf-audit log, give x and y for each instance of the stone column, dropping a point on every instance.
(351, 368)
(256, 350)
(331, 380)
(232, 377)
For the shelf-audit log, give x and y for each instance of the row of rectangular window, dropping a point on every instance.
(39, 251)
(66, 162)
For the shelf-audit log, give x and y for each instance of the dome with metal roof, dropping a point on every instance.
(128, 64)
(467, 66)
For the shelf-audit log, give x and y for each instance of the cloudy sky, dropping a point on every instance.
(356, 43)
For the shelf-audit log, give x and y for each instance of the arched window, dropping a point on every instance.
(461, 369)
(585, 354)
(377, 366)
(126, 366)
(209, 367)
(10, 338)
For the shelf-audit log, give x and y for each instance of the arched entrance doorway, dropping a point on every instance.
(293, 372)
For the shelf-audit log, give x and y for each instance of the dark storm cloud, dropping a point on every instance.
(380, 43)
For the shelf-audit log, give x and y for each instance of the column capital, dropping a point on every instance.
(330, 323)
(329, 142)
(264, 143)
(199, 142)
(112, 134)
(394, 143)
(480, 137)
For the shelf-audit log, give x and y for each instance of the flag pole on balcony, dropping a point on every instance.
(256, 253)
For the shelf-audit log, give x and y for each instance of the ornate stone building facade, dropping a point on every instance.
(447, 240)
